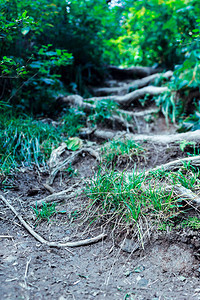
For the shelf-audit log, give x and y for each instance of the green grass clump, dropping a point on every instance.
(122, 148)
(104, 109)
(45, 212)
(72, 121)
(24, 140)
(126, 198)
(192, 222)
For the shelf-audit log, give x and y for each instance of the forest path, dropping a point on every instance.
(114, 268)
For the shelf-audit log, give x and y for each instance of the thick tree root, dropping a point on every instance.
(136, 84)
(52, 244)
(125, 100)
(176, 164)
(160, 139)
(132, 97)
(116, 120)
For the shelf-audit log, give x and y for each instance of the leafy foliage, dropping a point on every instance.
(157, 31)
(103, 111)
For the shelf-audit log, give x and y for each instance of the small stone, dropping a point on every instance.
(143, 282)
(129, 246)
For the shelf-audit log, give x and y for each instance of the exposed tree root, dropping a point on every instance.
(52, 244)
(183, 193)
(176, 164)
(132, 72)
(117, 120)
(180, 191)
(136, 84)
(130, 98)
(61, 196)
(71, 160)
(162, 139)
(76, 100)
(141, 113)
(107, 135)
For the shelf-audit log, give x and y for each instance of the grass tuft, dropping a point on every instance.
(119, 149)
(46, 211)
(130, 198)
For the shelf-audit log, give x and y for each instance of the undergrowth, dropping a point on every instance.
(127, 199)
(24, 140)
(104, 109)
(139, 200)
(119, 149)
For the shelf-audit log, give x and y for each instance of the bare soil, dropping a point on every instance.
(167, 268)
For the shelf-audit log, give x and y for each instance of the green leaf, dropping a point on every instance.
(74, 143)
(25, 30)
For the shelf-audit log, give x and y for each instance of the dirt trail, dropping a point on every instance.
(168, 266)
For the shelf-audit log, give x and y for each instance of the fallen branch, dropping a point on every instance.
(136, 84)
(52, 244)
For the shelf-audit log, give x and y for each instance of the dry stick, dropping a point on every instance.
(26, 271)
(52, 244)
